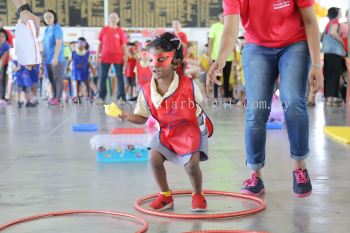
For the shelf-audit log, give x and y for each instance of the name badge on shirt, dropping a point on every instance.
(281, 4)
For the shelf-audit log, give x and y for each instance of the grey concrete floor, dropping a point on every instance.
(46, 167)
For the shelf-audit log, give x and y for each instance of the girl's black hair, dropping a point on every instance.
(55, 20)
(2, 30)
(87, 46)
(168, 42)
(333, 12)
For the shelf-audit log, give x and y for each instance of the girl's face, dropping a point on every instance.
(81, 44)
(160, 63)
(144, 55)
(49, 18)
(132, 49)
(2, 37)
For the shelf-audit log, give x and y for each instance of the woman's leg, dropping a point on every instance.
(294, 66)
(103, 74)
(51, 80)
(260, 72)
(120, 81)
(58, 73)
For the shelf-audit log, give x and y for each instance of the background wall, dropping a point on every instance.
(134, 13)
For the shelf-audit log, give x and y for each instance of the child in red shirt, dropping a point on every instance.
(130, 71)
(143, 72)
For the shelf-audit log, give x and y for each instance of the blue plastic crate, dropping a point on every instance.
(85, 127)
(120, 155)
(274, 125)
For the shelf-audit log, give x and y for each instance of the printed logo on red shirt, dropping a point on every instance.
(281, 4)
(116, 36)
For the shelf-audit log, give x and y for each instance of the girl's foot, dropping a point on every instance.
(76, 100)
(54, 102)
(19, 104)
(199, 203)
(162, 203)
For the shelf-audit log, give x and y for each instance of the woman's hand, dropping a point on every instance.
(316, 79)
(55, 62)
(214, 71)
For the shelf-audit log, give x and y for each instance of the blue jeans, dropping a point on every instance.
(261, 68)
(103, 74)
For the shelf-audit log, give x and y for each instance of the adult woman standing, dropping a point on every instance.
(53, 55)
(333, 58)
(112, 50)
(278, 44)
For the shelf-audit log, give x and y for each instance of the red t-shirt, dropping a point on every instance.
(144, 74)
(112, 41)
(10, 41)
(130, 67)
(270, 23)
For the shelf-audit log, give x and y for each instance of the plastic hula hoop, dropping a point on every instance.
(236, 214)
(73, 212)
(224, 231)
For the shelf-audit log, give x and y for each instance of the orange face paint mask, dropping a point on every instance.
(161, 60)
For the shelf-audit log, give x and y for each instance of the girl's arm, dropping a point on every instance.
(133, 118)
(16, 68)
(68, 64)
(92, 68)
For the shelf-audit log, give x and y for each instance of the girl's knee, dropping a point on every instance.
(193, 165)
(156, 158)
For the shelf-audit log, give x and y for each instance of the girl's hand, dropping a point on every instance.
(124, 116)
(316, 79)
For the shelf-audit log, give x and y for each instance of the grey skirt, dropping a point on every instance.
(171, 156)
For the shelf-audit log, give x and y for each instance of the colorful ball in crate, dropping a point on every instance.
(107, 156)
(118, 150)
(131, 147)
(101, 149)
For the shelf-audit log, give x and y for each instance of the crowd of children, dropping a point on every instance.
(81, 74)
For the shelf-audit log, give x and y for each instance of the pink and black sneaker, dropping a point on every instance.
(253, 186)
(301, 183)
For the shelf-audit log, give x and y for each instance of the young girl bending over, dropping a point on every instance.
(173, 100)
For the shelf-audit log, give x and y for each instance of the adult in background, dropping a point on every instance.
(112, 50)
(9, 40)
(183, 38)
(25, 13)
(54, 55)
(333, 59)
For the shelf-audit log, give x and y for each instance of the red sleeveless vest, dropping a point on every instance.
(179, 130)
